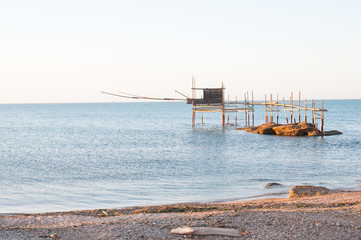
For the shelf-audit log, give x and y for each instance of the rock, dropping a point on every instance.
(295, 129)
(54, 236)
(272, 184)
(249, 129)
(267, 128)
(314, 133)
(308, 191)
(330, 133)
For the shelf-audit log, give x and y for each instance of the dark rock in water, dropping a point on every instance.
(330, 133)
(249, 129)
(308, 191)
(272, 184)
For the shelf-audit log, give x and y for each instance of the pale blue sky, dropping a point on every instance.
(68, 51)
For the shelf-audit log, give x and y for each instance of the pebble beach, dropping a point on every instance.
(332, 216)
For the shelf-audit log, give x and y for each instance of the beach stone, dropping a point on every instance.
(272, 184)
(308, 191)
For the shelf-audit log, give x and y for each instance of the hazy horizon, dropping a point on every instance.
(69, 51)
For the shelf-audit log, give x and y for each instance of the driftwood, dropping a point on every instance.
(189, 231)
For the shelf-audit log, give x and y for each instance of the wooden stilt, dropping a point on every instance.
(265, 108)
(223, 110)
(271, 117)
(299, 106)
(285, 109)
(193, 118)
(252, 110)
(291, 103)
(313, 114)
(228, 111)
(245, 110)
(322, 118)
(193, 103)
(305, 110)
(277, 109)
(235, 121)
(223, 118)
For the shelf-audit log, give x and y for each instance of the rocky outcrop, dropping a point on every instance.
(308, 191)
(294, 129)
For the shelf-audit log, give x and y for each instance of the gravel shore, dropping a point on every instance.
(333, 216)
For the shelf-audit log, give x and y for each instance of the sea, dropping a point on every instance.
(61, 157)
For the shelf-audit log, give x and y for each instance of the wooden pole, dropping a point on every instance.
(193, 103)
(223, 119)
(277, 110)
(322, 118)
(265, 108)
(252, 111)
(247, 109)
(223, 116)
(228, 111)
(236, 111)
(305, 110)
(291, 103)
(271, 108)
(299, 106)
(313, 114)
(284, 108)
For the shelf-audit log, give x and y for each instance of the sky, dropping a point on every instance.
(70, 50)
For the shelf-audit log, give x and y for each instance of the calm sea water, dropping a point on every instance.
(56, 157)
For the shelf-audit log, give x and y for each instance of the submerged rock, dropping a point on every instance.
(308, 191)
(272, 184)
(330, 133)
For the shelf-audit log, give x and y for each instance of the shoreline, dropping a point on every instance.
(283, 193)
(333, 216)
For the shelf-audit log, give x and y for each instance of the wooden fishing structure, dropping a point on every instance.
(213, 100)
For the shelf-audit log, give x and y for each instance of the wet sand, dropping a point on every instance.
(333, 216)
